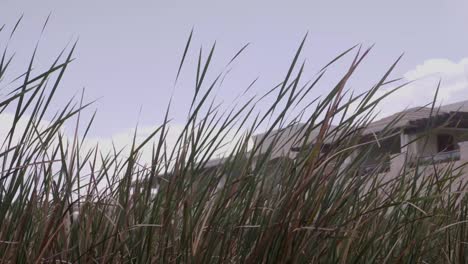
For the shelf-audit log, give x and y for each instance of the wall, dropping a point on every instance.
(418, 144)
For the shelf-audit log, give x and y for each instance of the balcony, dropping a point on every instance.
(440, 157)
(426, 164)
(375, 168)
(398, 163)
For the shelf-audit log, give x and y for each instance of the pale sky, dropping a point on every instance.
(128, 51)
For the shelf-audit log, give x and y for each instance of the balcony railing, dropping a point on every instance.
(439, 158)
(375, 168)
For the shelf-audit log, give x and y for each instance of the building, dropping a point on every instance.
(425, 137)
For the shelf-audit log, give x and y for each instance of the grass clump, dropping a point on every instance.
(64, 203)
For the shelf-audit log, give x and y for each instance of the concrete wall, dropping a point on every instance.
(421, 144)
(399, 161)
(418, 144)
(282, 142)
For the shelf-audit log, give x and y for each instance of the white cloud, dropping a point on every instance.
(124, 140)
(425, 77)
(121, 140)
(6, 122)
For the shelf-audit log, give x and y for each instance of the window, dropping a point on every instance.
(395, 146)
(446, 143)
(391, 145)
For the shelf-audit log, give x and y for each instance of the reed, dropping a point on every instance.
(64, 202)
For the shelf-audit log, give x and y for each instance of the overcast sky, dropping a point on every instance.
(128, 51)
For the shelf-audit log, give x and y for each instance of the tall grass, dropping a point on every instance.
(64, 203)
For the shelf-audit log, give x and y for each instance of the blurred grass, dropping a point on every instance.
(63, 203)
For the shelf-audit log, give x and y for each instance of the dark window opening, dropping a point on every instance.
(395, 145)
(391, 145)
(446, 143)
